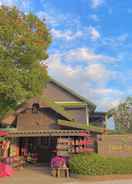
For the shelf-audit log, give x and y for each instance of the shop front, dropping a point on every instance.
(41, 146)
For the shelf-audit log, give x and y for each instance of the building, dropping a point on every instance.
(58, 115)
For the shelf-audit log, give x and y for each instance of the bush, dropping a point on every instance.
(94, 164)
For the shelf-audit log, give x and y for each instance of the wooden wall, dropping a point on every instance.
(79, 114)
(36, 121)
(115, 145)
(57, 93)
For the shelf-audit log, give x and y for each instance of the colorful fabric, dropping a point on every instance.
(58, 162)
(5, 170)
(3, 133)
(5, 147)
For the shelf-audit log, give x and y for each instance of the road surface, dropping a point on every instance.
(37, 175)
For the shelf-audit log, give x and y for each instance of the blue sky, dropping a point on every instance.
(91, 48)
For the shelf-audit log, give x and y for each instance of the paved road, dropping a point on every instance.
(112, 182)
(42, 176)
(101, 182)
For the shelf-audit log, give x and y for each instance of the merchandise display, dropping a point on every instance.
(82, 144)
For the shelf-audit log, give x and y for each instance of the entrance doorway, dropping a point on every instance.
(38, 149)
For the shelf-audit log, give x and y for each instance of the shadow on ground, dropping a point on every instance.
(35, 175)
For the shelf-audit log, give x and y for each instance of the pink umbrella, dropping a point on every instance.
(3, 133)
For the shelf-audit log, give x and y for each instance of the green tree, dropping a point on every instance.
(24, 40)
(123, 116)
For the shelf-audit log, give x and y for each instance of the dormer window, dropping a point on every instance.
(35, 107)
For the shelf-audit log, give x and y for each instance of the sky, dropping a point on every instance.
(91, 47)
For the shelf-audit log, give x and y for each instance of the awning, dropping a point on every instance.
(45, 133)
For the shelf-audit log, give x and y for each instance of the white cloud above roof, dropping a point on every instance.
(86, 54)
(89, 81)
(96, 3)
(66, 35)
(94, 33)
(94, 17)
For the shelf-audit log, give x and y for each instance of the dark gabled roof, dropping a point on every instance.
(8, 119)
(59, 108)
(51, 104)
(83, 99)
(44, 101)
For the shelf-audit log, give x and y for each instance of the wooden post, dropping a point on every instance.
(87, 115)
(106, 121)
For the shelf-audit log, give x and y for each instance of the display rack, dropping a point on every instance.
(68, 146)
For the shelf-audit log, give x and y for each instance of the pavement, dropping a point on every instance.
(41, 175)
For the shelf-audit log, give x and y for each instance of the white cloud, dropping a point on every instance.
(23, 5)
(96, 3)
(115, 41)
(66, 35)
(73, 28)
(56, 18)
(121, 38)
(108, 98)
(48, 17)
(85, 54)
(8, 2)
(89, 81)
(71, 33)
(95, 35)
(96, 72)
(94, 17)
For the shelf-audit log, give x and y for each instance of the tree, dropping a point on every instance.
(123, 116)
(24, 40)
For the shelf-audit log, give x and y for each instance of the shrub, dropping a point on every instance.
(94, 164)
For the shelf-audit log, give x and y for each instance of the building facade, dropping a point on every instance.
(58, 122)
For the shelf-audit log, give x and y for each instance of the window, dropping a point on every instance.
(35, 107)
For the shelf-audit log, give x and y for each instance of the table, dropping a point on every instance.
(57, 172)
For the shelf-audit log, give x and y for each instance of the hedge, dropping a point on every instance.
(94, 164)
